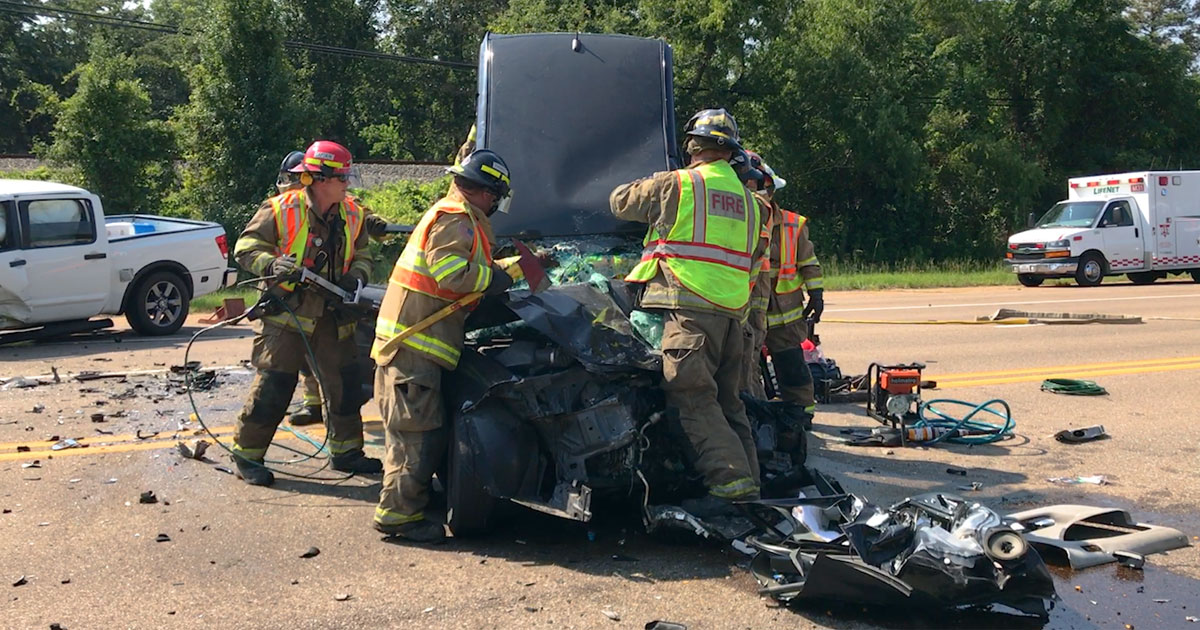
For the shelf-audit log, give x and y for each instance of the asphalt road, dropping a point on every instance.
(74, 529)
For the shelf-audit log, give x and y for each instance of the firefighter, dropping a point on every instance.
(467, 147)
(760, 290)
(695, 269)
(376, 227)
(794, 269)
(447, 257)
(319, 227)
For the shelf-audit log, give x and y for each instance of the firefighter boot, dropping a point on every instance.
(357, 462)
(422, 531)
(253, 472)
(311, 414)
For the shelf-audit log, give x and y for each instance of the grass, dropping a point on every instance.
(845, 276)
(205, 304)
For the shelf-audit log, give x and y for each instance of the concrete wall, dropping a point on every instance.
(372, 174)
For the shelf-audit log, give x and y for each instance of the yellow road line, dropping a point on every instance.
(1025, 378)
(1056, 368)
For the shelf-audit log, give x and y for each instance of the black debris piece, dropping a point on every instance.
(21, 581)
(148, 497)
(665, 625)
(162, 538)
(956, 471)
(311, 553)
(930, 551)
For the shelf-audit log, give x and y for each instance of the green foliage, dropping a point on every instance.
(908, 130)
(399, 202)
(244, 114)
(106, 132)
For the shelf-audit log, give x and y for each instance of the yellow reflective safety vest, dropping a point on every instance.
(291, 224)
(709, 248)
(412, 273)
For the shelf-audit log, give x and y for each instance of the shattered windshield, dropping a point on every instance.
(1071, 214)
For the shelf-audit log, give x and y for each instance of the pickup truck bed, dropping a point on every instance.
(62, 260)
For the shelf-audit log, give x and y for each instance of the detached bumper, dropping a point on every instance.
(1060, 267)
(230, 278)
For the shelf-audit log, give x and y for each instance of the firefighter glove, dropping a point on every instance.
(546, 259)
(349, 282)
(376, 226)
(815, 306)
(284, 265)
(500, 283)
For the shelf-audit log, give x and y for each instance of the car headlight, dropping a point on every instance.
(1059, 244)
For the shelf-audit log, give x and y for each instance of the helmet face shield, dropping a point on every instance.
(505, 202)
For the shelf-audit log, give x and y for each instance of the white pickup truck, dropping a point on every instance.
(1144, 225)
(62, 262)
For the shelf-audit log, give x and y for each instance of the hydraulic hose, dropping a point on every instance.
(321, 450)
(965, 430)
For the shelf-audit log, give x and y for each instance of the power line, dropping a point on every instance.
(47, 12)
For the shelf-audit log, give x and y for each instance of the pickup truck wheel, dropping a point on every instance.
(1030, 280)
(1142, 277)
(158, 304)
(1090, 272)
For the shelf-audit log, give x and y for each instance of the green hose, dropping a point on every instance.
(1072, 387)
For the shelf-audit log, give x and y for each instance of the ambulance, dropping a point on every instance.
(1144, 225)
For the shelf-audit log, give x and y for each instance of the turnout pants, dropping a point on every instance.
(312, 389)
(753, 383)
(278, 354)
(409, 393)
(703, 371)
(795, 381)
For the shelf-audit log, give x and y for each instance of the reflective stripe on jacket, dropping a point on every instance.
(291, 224)
(447, 257)
(709, 246)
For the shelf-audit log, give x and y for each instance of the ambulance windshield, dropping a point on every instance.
(1079, 214)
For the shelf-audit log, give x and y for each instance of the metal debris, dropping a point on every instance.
(65, 444)
(37, 463)
(1085, 434)
(934, 550)
(341, 597)
(1095, 480)
(194, 451)
(21, 581)
(611, 614)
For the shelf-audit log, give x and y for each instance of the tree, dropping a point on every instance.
(244, 113)
(425, 110)
(1167, 22)
(344, 89)
(106, 131)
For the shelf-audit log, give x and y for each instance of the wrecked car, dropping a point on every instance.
(556, 404)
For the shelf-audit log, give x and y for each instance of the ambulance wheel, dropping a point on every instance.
(1142, 277)
(1030, 280)
(1090, 272)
